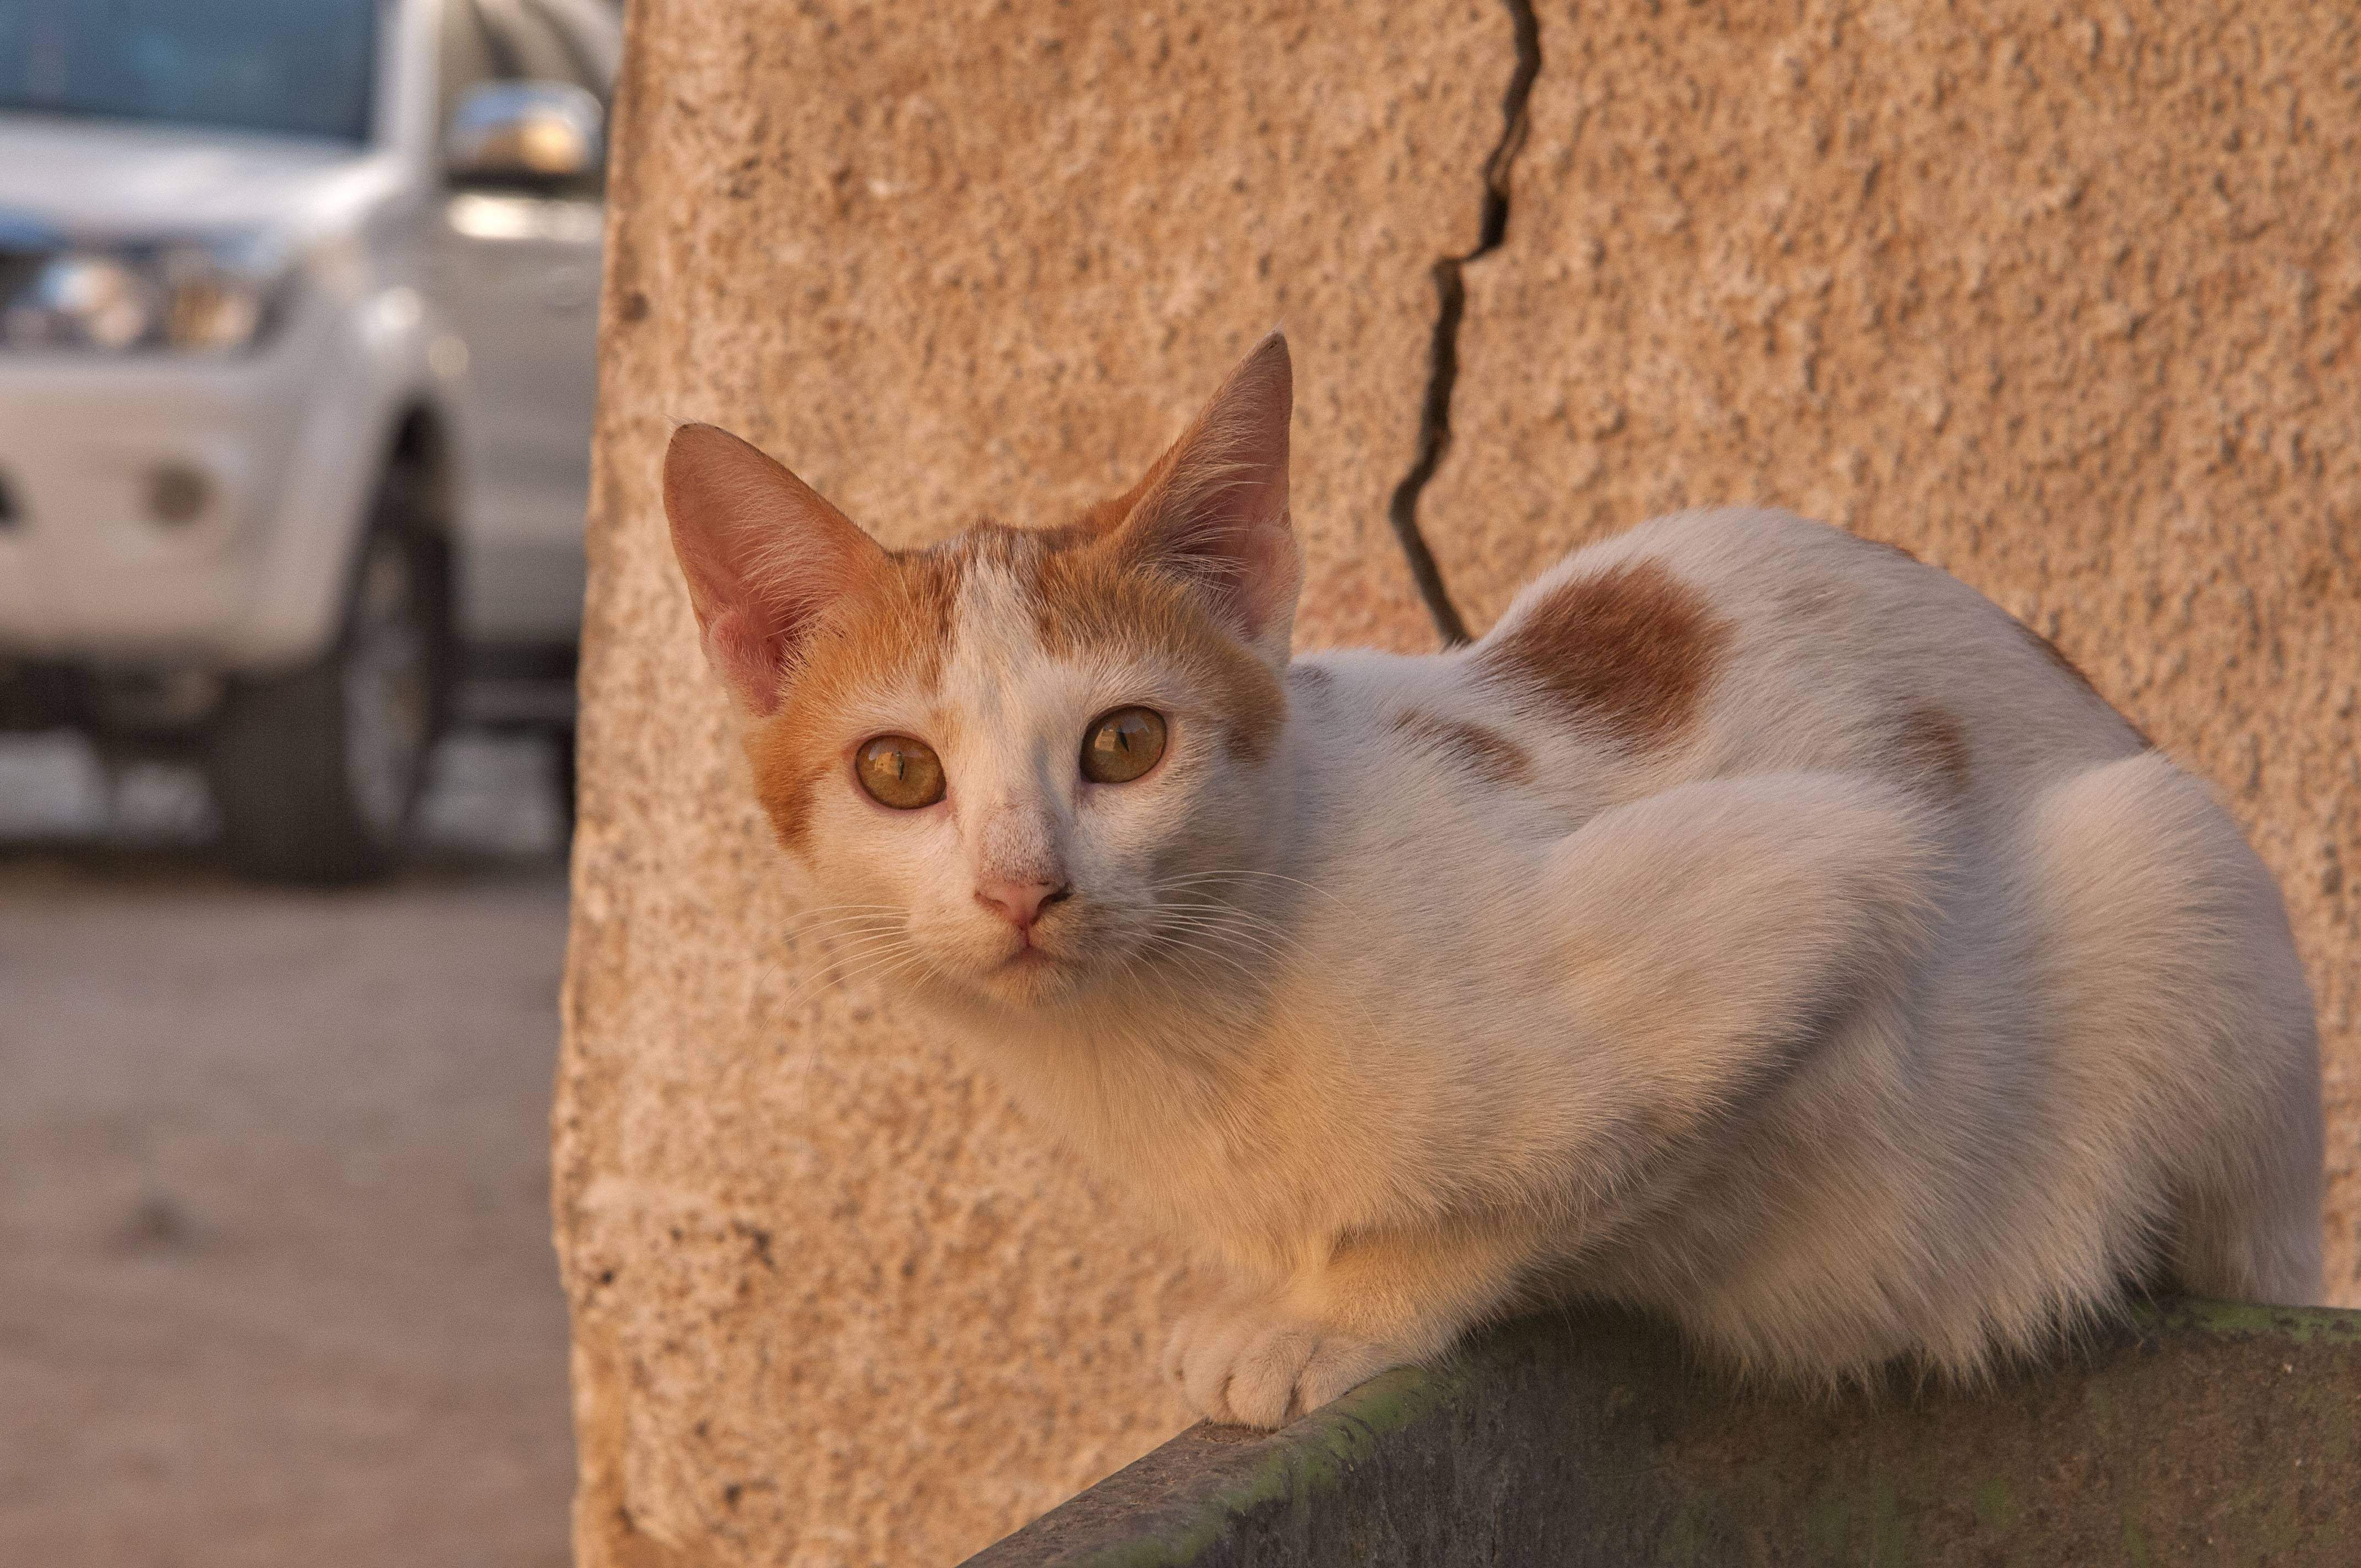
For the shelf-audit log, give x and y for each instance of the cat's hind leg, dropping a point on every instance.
(2186, 1054)
(1715, 934)
(1693, 948)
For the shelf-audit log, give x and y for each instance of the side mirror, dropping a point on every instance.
(532, 135)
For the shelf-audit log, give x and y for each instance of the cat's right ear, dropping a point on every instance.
(1214, 509)
(764, 554)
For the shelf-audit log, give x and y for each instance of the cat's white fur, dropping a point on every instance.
(1828, 1051)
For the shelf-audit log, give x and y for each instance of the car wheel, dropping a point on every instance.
(316, 771)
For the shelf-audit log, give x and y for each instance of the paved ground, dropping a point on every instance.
(276, 1284)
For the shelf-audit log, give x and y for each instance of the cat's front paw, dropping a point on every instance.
(1258, 1369)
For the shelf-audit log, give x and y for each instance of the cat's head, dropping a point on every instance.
(1015, 764)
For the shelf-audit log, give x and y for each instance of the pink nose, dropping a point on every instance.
(1019, 903)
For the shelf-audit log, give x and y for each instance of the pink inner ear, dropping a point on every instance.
(748, 658)
(1215, 505)
(764, 556)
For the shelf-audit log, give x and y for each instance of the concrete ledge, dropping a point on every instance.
(2200, 1433)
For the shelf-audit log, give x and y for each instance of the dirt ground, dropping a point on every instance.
(276, 1284)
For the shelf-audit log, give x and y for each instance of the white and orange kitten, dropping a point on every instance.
(1757, 926)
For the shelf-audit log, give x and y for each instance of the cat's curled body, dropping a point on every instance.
(1757, 926)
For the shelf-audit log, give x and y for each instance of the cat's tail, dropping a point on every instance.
(2186, 1052)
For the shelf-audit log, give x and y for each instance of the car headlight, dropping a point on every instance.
(217, 295)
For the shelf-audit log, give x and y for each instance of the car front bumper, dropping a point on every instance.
(165, 511)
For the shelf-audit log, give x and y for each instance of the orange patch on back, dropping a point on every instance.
(1486, 753)
(1930, 751)
(1630, 650)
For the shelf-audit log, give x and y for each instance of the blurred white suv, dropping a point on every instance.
(297, 319)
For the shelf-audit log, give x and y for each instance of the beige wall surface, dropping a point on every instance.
(2063, 298)
(2068, 300)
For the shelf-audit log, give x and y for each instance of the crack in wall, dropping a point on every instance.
(1451, 304)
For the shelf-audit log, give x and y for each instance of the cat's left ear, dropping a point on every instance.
(765, 556)
(1215, 507)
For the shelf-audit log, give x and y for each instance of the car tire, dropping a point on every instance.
(567, 743)
(316, 773)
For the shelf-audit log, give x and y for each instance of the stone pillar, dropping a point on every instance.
(832, 1301)
(2068, 302)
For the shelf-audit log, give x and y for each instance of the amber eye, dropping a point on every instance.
(1123, 745)
(899, 772)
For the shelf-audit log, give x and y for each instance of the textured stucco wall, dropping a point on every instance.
(2065, 300)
